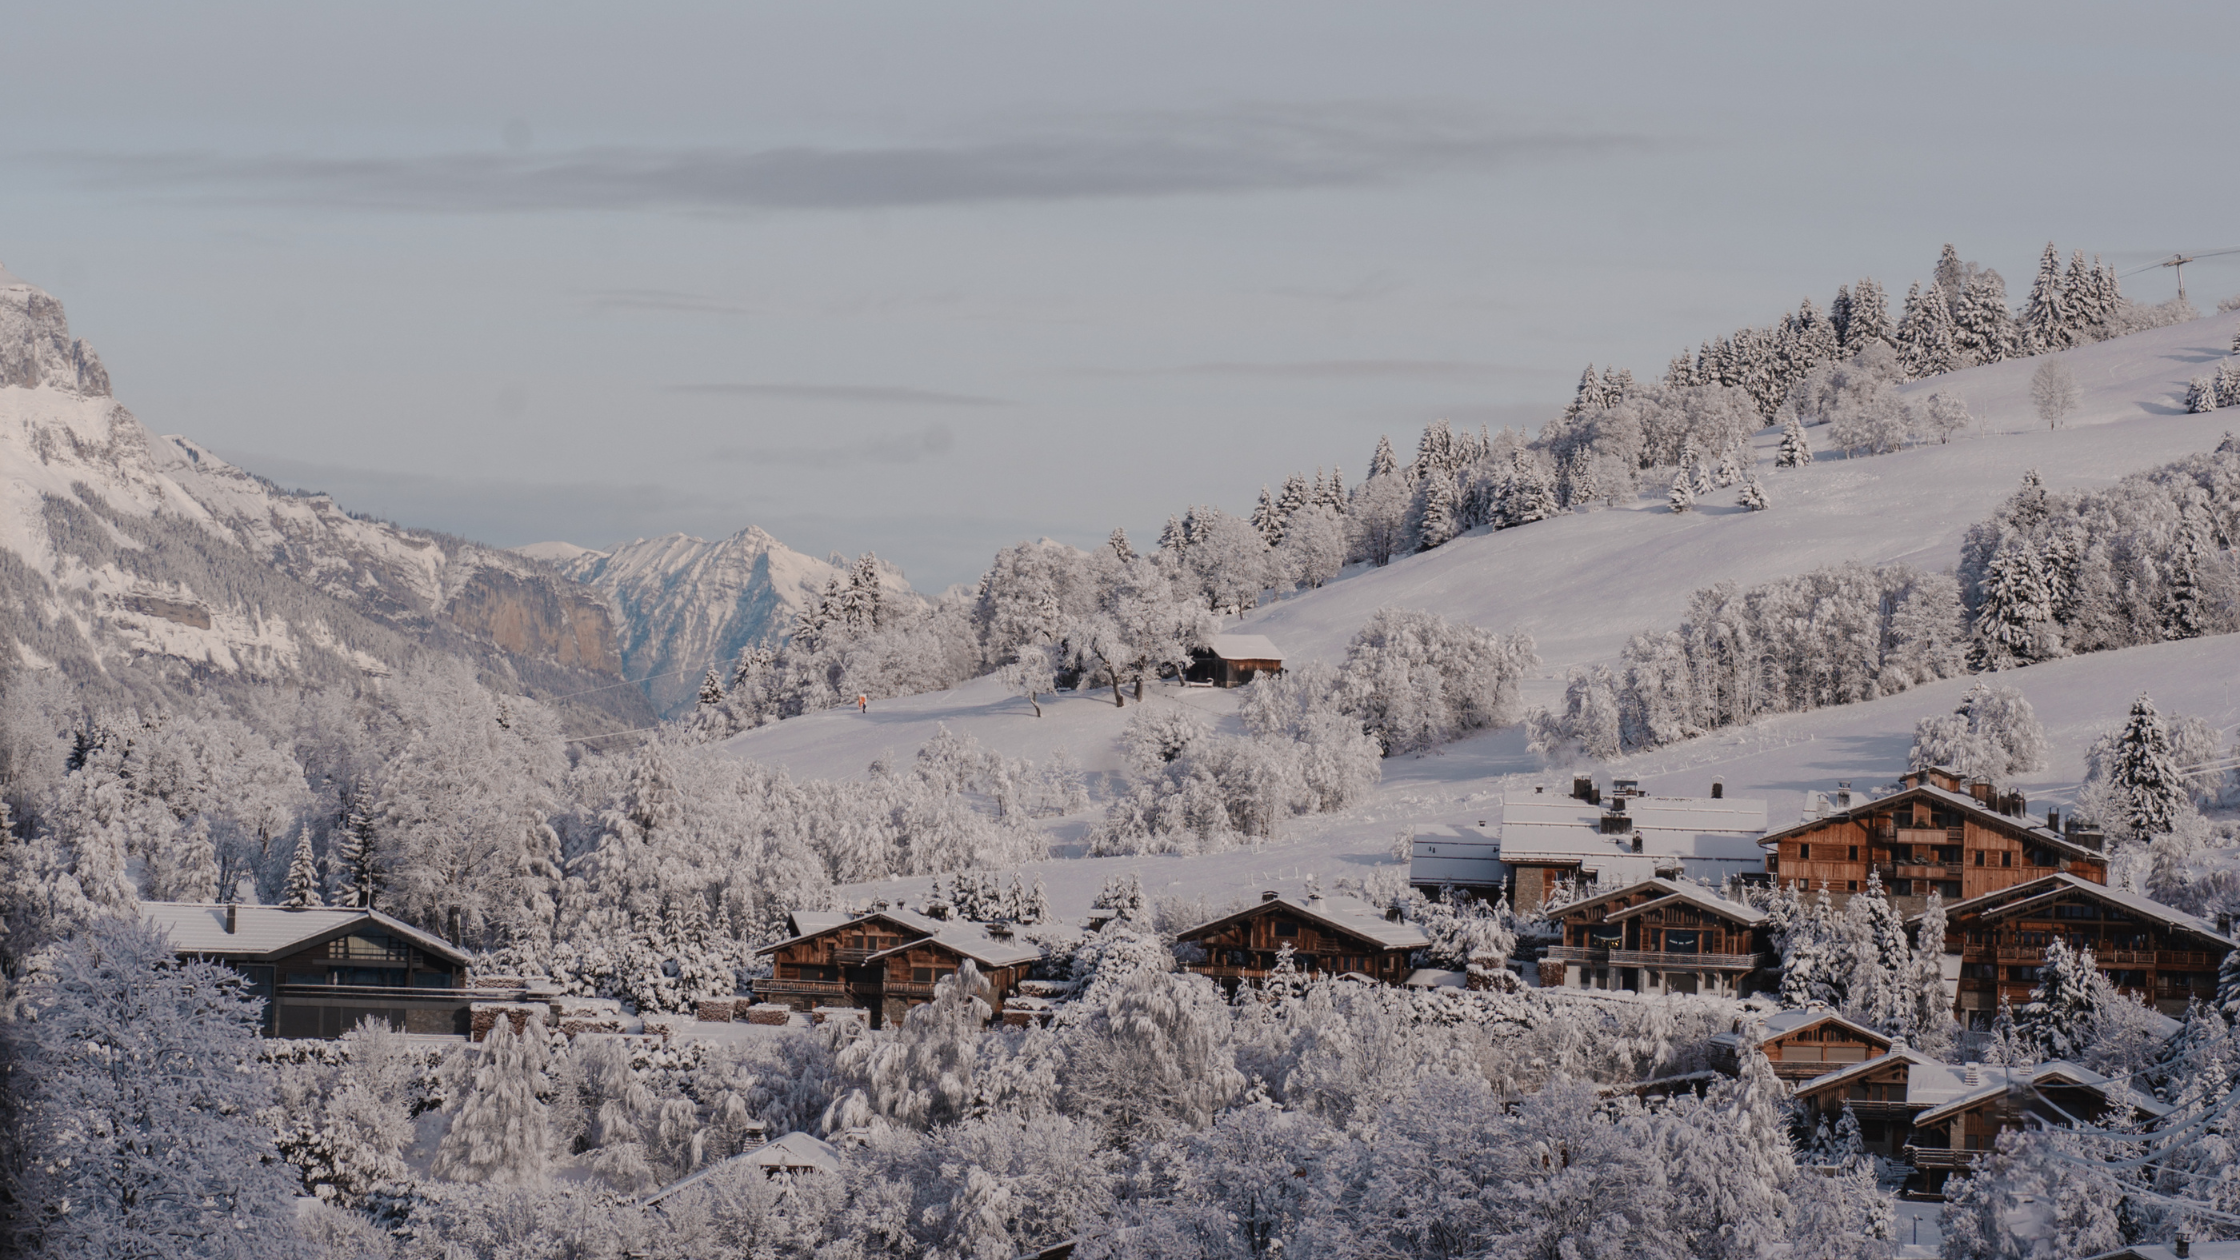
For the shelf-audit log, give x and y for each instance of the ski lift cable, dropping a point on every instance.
(2178, 260)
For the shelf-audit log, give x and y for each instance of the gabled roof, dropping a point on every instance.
(795, 1152)
(814, 922)
(1670, 890)
(1783, 1023)
(269, 933)
(2030, 894)
(1995, 1082)
(1349, 915)
(1245, 647)
(1896, 1055)
(967, 939)
(2019, 825)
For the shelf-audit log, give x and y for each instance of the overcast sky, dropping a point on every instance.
(931, 278)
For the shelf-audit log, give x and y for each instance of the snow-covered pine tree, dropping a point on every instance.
(1704, 480)
(502, 1131)
(1334, 491)
(303, 875)
(1037, 907)
(1983, 328)
(2185, 617)
(2144, 776)
(1439, 515)
(1119, 545)
(1951, 274)
(1295, 495)
(1264, 518)
(2064, 1008)
(2014, 625)
(1932, 1027)
(1383, 463)
(1586, 397)
(1680, 373)
(1839, 317)
(2228, 380)
(1753, 494)
(1870, 318)
(1796, 449)
(1682, 497)
(711, 689)
(2201, 394)
(2046, 323)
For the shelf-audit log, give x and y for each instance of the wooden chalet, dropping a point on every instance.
(2182, 1247)
(2145, 948)
(1327, 935)
(794, 1155)
(886, 962)
(1940, 834)
(1232, 660)
(1553, 843)
(322, 970)
(1799, 1044)
(1657, 936)
(1941, 1118)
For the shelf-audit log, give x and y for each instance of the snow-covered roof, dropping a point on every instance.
(1347, 914)
(1246, 647)
(1710, 835)
(1455, 854)
(2015, 898)
(2018, 823)
(1782, 1023)
(1695, 894)
(795, 1152)
(1897, 1054)
(274, 931)
(968, 939)
(1944, 1090)
(2229, 1250)
(1437, 978)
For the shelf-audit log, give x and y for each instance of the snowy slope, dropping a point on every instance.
(154, 552)
(1582, 584)
(687, 604)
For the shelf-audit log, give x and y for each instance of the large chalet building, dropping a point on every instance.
(886, 962)
(322, 970)
(1326, 935)
(2147, 949)
(1657, 936)
(1553, 843)
(1938, 834)
(1943, 1117)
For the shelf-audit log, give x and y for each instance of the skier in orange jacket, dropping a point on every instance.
(863, 703)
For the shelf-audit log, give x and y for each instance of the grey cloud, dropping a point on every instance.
(1230, 150)
(889, 394)
(931, 442)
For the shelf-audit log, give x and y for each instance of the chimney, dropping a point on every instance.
(1718, 789)
(1637, 842)
(1314, 901)
(233, 918)
(1269, 895)
(1981, 790)
(1972, 1074)
(2053, 821)
(1000, 931)
(1582, 787)
(2224, 924)
(2182, 1245)
(1843, 794)
(1392, 913)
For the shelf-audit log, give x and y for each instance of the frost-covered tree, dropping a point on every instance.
(2014, 623)
(2053, 392)
(1929, 1023)
(1944, 415)
(302, 892)
(1416, 679)
(2047, 322)
(2039, 1195)
(502, 1131)
(1994, 733)
(2144, 776)
(2061, 1018)
(1682, 497)
(134, 1090)
(1796, 449)
(1589, 722)
(1753, 494)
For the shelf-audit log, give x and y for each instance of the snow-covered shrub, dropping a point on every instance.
(1588, 724)
(1416, 679)
(1995, 733)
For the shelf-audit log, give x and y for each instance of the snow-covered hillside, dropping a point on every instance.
(132, 548)
(688, 604)
(1582, 584)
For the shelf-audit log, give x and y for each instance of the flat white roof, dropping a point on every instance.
(1711, 836)
(1246, 647)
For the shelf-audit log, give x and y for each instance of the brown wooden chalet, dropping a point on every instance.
(2147, 949)
(886, 962)
(1327, 935)
(1938, 834)
(322, 970)
(1232, 660)
(1942, 1117)
(1657, 936)
(1799, 1044)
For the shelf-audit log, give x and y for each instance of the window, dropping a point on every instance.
(2072, 910)
(2006, 857)
(1901, 887)
(1854, 886)
(304, 977)
(431, 979)
(1854, 856)
(1804, 853)
(1285, 927)
(1949, 888)
(2022, 975)
(1979, 857)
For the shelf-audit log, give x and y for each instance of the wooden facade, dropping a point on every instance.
(2146, 949)
(887, 962)
(1232, 660)
(1939, 834)
(1800, 1044)
(1657, 936)
(322, 970)
(1326, 935)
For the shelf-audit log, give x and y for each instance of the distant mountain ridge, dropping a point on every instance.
(688, 604)
(133, 562)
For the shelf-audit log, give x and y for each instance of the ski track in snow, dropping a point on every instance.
(1583, 584)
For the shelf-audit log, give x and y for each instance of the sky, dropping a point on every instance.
(931, 279)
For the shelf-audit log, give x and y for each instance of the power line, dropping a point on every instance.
(2178, 263)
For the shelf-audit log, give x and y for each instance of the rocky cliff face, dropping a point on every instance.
(134, 562)
(688, 604)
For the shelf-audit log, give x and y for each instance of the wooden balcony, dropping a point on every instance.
(1951, 1157)
(852, 957)
(394, 993)
(1659, 961)
(806, 988)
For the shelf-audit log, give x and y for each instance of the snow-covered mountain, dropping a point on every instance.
(119, 547)
(687, 604)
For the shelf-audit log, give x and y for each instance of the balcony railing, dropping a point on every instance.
(1942, 1157)
(1659, 960)
(771, 984)
(391, 993)
(852, 957)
